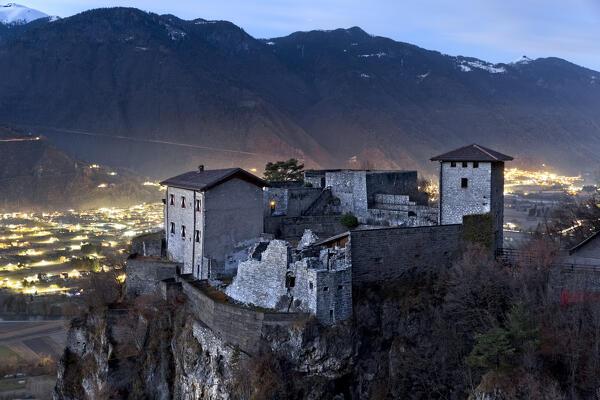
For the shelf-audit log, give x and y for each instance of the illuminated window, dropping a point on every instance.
(475, 164)
(197, 205)
(172, 227)
(182, 201)
(197, 236)
(453, 164)
(182, 231)
(465, 164)
(464, 182)
(172, 199)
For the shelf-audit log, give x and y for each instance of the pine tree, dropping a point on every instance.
(284, 171)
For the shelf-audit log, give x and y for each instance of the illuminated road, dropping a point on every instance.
(33, 139)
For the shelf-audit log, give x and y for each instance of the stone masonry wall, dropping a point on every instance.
(351, 188)
(456, 201)
(179, 248)
(145, 273)
(389, 253)
(234, 324)
(294, 227)
(390, 182)
(497, 203)
(148, 245)
(262, 283)
(291, 202)
(233, 214)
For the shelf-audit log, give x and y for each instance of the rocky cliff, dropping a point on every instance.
(393, 347)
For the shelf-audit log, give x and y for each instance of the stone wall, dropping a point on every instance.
(149, 245)
(294, 227)
(145, 273)
(233, 214)
(497, 203)
(234, 324)
(262, 282)
(391, 183)
(456, 201)
(389, 253)
(350, 187)
(321, 286)
(179, 248)
(291, 202)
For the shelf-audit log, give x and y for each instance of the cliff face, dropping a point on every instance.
(158, 351)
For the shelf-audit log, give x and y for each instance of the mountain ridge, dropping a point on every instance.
(332, 98)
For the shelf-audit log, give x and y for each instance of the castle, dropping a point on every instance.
(277, 252)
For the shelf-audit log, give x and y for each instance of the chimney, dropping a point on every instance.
(200, 167)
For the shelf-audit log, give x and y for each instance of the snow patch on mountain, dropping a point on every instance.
(523, 60)
(378, 55)
(467, 66)
(13, 13)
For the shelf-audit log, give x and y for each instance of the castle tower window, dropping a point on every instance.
(331, 315)
(171, 199)
(197, 205)
(465, 164)
(339, 287)
(182, 231)
(325, 289)
(475, 164)
(197, 236)
(453, 164)
(464, 182)
(310, 285)
(172, 227)
(182, 201)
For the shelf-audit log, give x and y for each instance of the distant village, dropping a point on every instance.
(249, 253)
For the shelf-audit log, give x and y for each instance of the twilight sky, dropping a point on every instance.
(493, 30)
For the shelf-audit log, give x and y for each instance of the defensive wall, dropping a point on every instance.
(145, 273)
(284, 227)
(236, 325)
(390, 253)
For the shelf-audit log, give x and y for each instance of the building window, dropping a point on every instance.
(464, 182)
(291, 281)
(197, 205)
(172, 199)
(197, 236)
(325, 289)
(475, 164)
(453, 164)
(172, 227)
(331, 315)
(465, 164)
(310, 285)
(182, 231)
(182, 201)
(339, 287)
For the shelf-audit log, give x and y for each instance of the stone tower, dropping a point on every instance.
(472, 182)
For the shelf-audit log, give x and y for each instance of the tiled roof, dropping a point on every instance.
(472, 152)
(204, 180)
